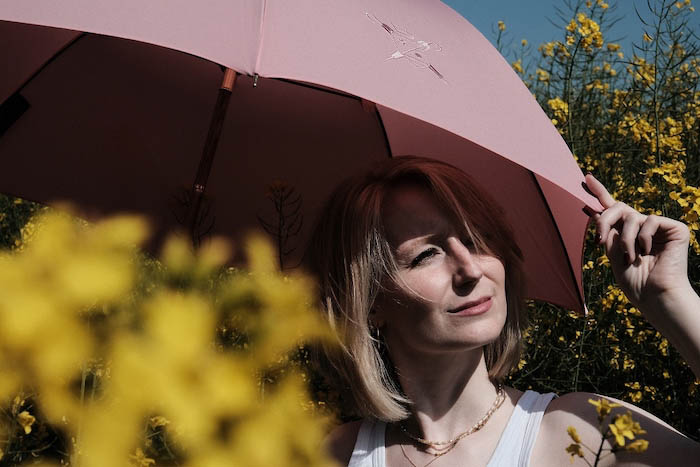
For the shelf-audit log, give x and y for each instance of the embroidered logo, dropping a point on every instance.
(411, 48)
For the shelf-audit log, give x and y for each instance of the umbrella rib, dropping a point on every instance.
(49, 61)
(315, 87)
(343, 94)
(384, 133)
(561, 239)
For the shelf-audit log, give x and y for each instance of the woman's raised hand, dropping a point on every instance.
(648, 254)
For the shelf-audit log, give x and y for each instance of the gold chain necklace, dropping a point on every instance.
(437, 456)
(500, 397)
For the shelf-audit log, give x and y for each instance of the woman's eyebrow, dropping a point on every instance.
(434, 237)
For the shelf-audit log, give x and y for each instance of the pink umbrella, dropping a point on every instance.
(323, 88)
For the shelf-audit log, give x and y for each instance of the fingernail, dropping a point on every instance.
(585, 187)
(597, 238)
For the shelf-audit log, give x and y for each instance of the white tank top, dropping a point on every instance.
(513, 449)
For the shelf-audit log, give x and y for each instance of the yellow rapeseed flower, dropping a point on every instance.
(603, 407)
(573, 434)
(139, 459)
(501, 26)
(26, 420)
(625, 427)
(523, 42)
(638, 445)
(547, 49)
(647, 37)
(575, 450)
(517, 66)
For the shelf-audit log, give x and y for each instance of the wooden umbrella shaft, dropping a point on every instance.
(207, 159)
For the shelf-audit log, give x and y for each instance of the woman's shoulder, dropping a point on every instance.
(580, 410)
(340, 442)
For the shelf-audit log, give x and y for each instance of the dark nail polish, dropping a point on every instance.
(585, 187)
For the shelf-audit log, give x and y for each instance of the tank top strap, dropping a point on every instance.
(369, 450)
(517, 440)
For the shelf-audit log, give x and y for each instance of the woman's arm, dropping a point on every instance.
(676, 315)
(667, 447)
(649, 257)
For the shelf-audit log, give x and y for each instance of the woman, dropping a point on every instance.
(422, 281)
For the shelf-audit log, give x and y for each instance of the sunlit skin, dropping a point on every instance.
(449, 298)
(449, 302)
(439, 354)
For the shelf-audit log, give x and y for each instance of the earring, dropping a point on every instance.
(374, 331)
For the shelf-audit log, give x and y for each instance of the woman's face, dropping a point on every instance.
(452, 298)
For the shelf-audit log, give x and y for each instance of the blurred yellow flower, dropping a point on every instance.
(547, 49)
(158, 421)
(573, 434)
(139, 337)
(139, 459)
(501, 26)
(574, 450)
(517, 66)
(638, 445)
(560, 108)
(603, 407)
(26, 420)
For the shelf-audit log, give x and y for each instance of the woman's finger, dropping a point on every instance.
(618, 228)
(599, 191)
(647, 232)
(632, 223)
(608, 219)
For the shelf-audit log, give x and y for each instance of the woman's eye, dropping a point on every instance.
(423, 256)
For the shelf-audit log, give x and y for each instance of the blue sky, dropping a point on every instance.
(529, 19)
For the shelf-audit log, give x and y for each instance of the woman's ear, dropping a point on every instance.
(376, 318)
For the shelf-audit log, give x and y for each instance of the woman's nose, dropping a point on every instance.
(467, 264)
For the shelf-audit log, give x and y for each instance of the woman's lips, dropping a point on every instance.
(474, 308)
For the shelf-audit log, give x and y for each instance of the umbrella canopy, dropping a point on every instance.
(324, 89)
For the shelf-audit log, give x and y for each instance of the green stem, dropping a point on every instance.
(600, 448)
(567, 91)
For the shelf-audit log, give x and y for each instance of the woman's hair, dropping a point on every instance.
(352, 260)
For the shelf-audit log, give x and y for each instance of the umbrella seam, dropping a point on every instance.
(579, 294)
(261, 36)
